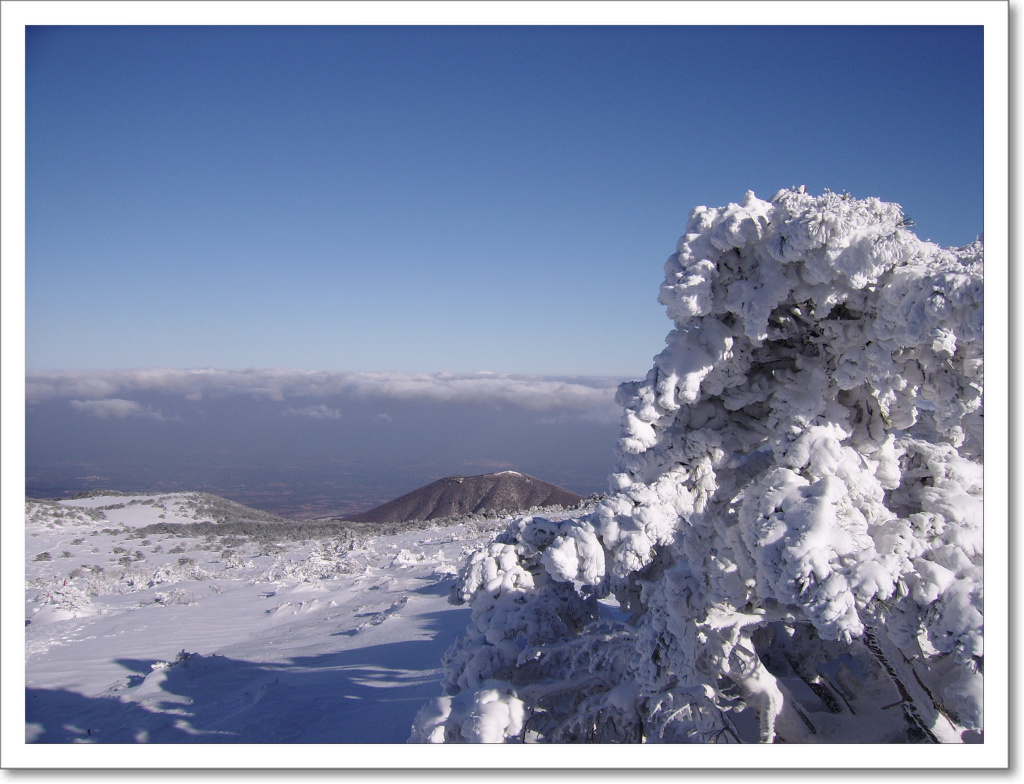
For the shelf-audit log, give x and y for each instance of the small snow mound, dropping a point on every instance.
(405, 558)
(295, 608)
(53, 614)
(378, 618)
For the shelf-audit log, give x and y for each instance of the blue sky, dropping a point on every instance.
(445, 198)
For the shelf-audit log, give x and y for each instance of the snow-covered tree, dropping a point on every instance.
(793, 533)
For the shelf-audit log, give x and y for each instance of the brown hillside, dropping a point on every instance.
(504, 492)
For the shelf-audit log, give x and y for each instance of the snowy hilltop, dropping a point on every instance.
(793, 536)
(459, 496)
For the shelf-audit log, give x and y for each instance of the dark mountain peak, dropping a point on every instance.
(502, 492)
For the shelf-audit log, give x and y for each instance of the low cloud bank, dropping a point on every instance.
(314, 412)
(114, 408)
(310, 444)
(109, 393)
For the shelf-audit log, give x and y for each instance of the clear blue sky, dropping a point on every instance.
(445, 198)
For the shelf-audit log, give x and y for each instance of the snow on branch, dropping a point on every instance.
(794, 528)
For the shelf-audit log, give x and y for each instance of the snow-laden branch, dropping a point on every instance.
(798, 498)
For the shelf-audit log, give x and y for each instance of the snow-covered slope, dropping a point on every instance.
(142, 626)
(142, 509)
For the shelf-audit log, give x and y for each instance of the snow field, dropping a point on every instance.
(230, 639)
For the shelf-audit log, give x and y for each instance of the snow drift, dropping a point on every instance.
(792, 545)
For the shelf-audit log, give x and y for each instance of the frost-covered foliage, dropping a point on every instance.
(794, 529)
(52, 515)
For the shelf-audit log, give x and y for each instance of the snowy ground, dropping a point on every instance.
(252, 639)
(135, 636)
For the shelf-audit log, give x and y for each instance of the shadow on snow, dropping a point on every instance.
(363, 695)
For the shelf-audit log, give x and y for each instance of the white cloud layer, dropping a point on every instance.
(114, 408)
(314, 412)
(533, 393)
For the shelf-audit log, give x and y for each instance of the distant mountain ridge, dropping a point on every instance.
(505, 491)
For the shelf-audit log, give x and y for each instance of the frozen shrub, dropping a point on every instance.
(175, 596)
(794, 528)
